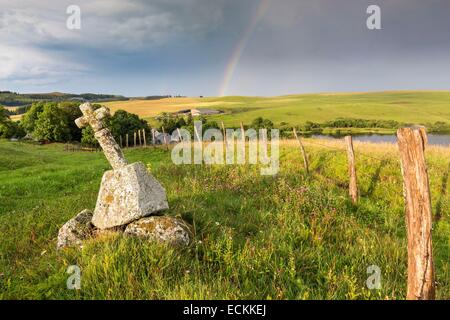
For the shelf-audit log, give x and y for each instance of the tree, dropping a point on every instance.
(88, 138)
(120, 124)
(8, 128)
(123, 122)
(260, 123)
(52, 124)
(29, 119)
(4, 116)
(73, 112)
(171, 123)
(60, 127)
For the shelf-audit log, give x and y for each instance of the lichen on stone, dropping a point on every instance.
(76, 230)
(162, 229)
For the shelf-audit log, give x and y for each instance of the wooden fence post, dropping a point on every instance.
(126, 140)
(165, 138)
(121, 144)
(140, 138)
(243, 139)
(302, 149)
(145, 138)
(224, 132)
(353, 186)
(135, 136)
(225, 142)
(411, 143)
(197, 135)
(153, 137)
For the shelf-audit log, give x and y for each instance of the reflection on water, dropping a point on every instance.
(433, 139)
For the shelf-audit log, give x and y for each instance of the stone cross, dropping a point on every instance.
(94, 118)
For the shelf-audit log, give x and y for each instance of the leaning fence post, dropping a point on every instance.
(302, 149)
(411, 143)
(353, 187)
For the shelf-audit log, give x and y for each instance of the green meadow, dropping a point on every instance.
(288, 236)
(410, 107)
(417, 107)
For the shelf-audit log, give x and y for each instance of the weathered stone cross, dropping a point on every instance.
(94, 118)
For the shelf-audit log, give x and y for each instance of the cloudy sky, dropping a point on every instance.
(223, 47)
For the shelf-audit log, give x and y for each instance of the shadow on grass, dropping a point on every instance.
(320, 166)
(375, 179)
(218, 209)
(443, 193)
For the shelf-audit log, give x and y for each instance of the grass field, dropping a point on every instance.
(403, 106)
(283, 237)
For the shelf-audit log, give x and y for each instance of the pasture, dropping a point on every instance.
(289, 236)
(402, 106)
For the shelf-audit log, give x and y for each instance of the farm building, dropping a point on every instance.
(204, 112)
(197, 112)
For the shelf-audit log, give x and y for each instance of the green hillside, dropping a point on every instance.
(416, 107)
(410, 107)
(19, 101)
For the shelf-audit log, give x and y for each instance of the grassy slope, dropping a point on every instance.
(284, 237)
(403, 106)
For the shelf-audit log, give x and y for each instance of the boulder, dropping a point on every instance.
(128, 194)
(74, 231)
(163, 229)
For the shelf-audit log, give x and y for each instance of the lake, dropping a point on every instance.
(433, 139)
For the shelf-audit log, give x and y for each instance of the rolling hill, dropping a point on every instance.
(403, 106)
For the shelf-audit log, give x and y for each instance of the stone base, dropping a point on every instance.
(128, 194)
(161, 229)
(76, 230)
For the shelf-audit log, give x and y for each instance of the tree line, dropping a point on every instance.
(55, 122)
(9, 128)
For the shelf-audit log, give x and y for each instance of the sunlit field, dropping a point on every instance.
(402, 106)
(289, 236)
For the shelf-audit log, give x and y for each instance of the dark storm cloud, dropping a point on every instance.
(185, 46)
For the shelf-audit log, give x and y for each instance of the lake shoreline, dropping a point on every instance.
(434, 139)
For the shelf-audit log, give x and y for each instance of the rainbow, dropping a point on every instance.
(239, 49)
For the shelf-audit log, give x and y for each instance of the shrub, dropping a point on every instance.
(8, 128)
(261, 123)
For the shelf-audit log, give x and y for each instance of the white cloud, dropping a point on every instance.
(31, 30)
(111, 23)
(25, 65)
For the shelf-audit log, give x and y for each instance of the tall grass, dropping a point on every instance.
(290, 236)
